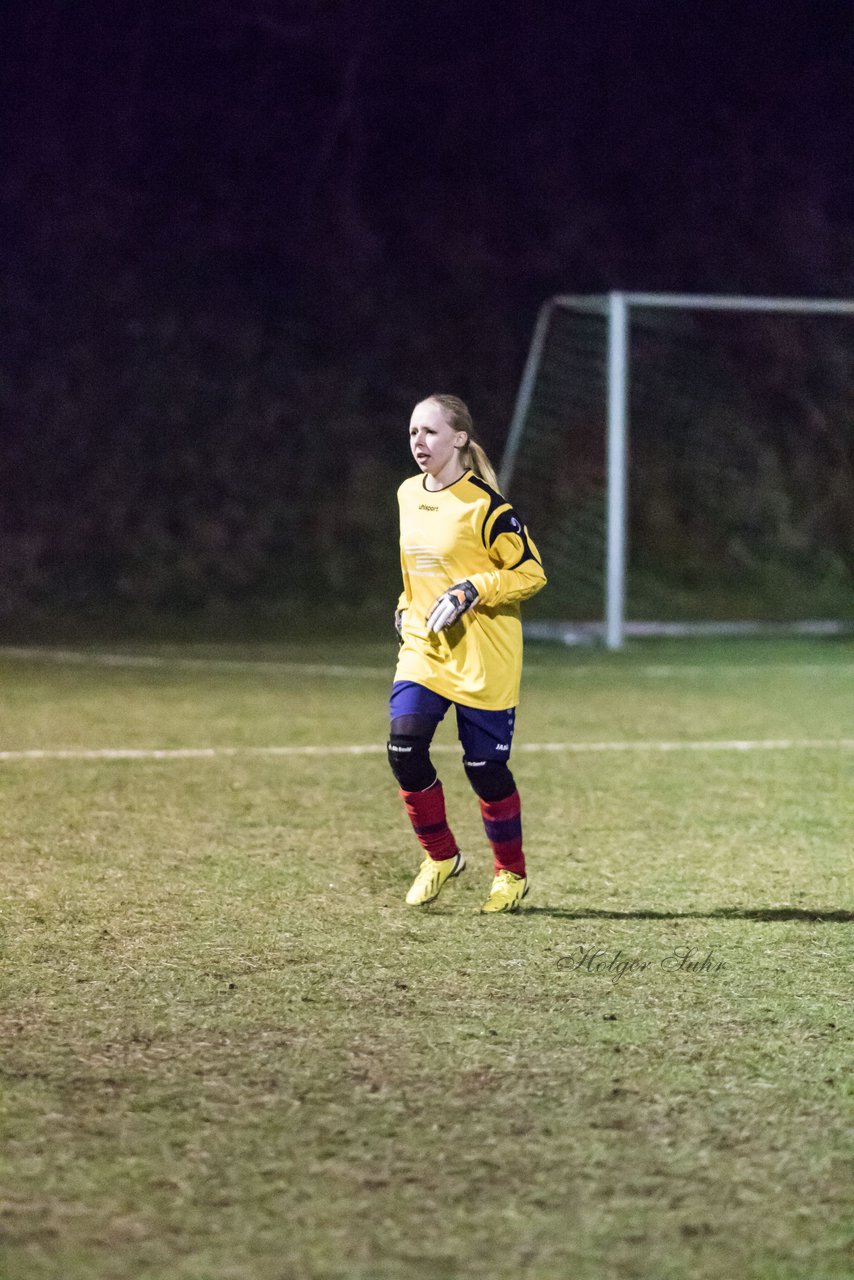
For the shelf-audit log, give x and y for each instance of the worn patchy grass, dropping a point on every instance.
(228, 1049)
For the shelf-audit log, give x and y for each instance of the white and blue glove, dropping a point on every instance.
(451, 606)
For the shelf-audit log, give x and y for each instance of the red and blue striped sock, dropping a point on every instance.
(502, 821)
(426, 811)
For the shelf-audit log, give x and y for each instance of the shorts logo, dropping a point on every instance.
(425, 507)
(502, 746)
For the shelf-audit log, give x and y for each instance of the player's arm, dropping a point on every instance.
(518, 572)
(402, 600)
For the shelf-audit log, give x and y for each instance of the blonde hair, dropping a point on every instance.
(472, 455)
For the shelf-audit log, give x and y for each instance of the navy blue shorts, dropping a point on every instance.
(485, 735)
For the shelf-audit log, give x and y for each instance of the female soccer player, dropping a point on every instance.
(467, 561)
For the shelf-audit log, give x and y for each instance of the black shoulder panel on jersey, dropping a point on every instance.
(506, 522)
(527, 554)
(495, 500)
(487, 488)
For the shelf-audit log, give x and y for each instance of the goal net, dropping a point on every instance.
(688, 461)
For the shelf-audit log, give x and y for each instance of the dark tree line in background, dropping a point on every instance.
(243, 239)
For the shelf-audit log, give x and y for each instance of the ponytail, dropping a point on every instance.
(472, 455)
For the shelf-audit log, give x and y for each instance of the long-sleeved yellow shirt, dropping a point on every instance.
(465, 530)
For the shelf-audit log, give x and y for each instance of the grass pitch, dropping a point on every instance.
(230, 1051)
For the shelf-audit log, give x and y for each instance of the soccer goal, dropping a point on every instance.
(686, 464)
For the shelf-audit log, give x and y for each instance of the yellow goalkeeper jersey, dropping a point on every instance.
(465, 530)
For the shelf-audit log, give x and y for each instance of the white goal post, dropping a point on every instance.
(605, 365)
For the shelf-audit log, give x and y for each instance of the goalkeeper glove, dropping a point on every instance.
(398, 625)
(451, 606)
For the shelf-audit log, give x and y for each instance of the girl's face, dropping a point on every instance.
(434, 443)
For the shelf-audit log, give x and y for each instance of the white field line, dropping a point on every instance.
(158, 661)
(272, 666)
(376, 748)
(661, 672)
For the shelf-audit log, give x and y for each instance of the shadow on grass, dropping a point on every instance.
(714, 913)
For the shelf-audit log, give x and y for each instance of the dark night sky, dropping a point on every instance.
(237, 231)
(579, 142)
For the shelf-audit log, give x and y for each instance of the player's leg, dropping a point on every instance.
(487, 737)
(415, 713)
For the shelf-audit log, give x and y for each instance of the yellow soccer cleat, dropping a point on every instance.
(432, 874)
(506, 893)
